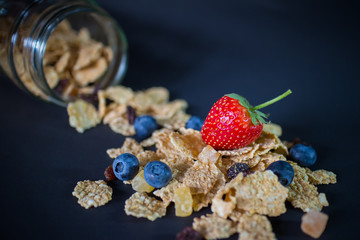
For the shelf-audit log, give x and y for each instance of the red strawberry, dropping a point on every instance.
(233, 123)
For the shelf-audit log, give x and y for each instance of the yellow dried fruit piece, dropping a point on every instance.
(183, 201)
(139, 184)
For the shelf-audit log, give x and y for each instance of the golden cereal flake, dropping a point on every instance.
(212, 226)
(189, 145)
(143, 100)
(166, 111)
(209, 154)
(91, 73)
(122, 126)
(129, 146)
(92, 193)
(203, 200)
(303, 194)
(147, 156)
(265, 160)
(262, 193)
(156, 135)
(167, 193)
(101, 104)
(119, 94)
(176, 122)
(62, 63)
(142, 205)
(82, 115)
(114, 111)
(224, 202)
(321, 177)
(201, 177)
(255, 227)
(265, 143)
(88, 54)
(52, 77)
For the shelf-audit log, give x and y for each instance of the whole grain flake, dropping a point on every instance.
(142, 205)
(92, 193)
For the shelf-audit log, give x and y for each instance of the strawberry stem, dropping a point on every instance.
(265, 104)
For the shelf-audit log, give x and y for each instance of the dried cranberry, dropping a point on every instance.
(109, 173)
(235, 169)
(188, 233)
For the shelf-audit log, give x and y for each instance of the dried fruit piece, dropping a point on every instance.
(314, 223)
(92, 193)
(109, 174)
(188, 233)
(183, 201)
(139, 184)
(237, 168)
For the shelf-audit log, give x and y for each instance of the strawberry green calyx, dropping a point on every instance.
(257, 117)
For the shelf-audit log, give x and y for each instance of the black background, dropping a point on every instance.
(199, 50)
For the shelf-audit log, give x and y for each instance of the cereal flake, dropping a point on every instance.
(92, 193)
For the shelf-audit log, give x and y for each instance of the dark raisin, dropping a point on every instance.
(90, 98)
(131, 114)
(188, 233)
(235, 169)
(109, 174)
(61, 86)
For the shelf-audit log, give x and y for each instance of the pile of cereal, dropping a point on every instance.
(240, 203)
(72, 63)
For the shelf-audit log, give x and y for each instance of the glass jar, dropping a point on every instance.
(60, 50)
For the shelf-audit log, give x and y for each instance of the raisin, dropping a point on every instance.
(131, 114)
(109, 174)
(235, 169)
(188, 233)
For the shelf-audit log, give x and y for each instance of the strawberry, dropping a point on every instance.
(233, 123)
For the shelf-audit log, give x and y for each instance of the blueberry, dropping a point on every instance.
(302, 154)
(157, 174)
(195, 122)
(125, 166)
(144, 126)
(283, 170)
(237, 168)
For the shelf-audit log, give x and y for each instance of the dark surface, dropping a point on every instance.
(199, 50)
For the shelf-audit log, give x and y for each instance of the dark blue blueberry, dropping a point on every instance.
(125, 166)
(283, 170)
(195, 122)
(144, 126)
(302, 154)
(157, 174)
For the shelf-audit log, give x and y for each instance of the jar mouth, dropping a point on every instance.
(100, 30)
